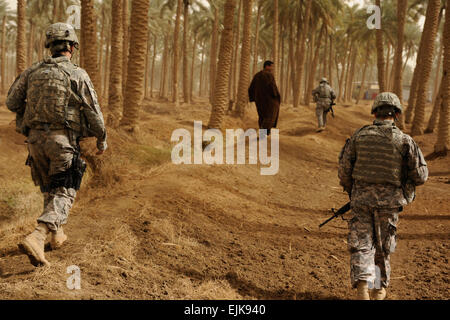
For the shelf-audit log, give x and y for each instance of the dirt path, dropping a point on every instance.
(144, 228)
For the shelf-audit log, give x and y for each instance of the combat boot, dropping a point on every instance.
(363, 290)
(319, 130)
(33, 245)
(379, 294)
(58, 238)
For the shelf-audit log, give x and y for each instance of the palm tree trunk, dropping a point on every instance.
(352, 75)
(176, 51)
(430, 31)
(436, 86)
(386, 73)
(275, 39)
(398, 76)
(31, 43)
(200, 85)
(147, 65)
(3, 56)
(102, 43)
(165, 66)
(442, 145)
(55, 11)
(115, 98)
(107, 67)
(125, 43)
(256, 45)
(435, 114)
(220, 100)
(234, 70)
(301, 56)
(282, 65)
(153, 67)
(330, 63)
(313, 67)
(244, 74)
(186, 86)
(367, 59)
(194, 52)
(309, 58)
(89, 24)
(213, 55)
(380, 55)
(21, 53)
(136, 63)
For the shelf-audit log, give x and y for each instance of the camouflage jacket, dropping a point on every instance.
(81, 86)
(381, 195)
(323, 93)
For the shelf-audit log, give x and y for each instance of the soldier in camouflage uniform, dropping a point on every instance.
(323, 95)
(55, 105)
(379, 167)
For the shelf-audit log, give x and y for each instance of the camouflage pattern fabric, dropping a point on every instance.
(371, 240)
(51, 153)
(321, 114)
(83, 96)
(375, 206)
(51, 145)
(323, 95)
(381, 195)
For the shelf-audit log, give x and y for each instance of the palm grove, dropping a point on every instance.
(181, 50)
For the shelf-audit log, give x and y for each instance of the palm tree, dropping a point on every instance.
(213, 52)
(125, 43)
(429, 35)
(3, 53)
(89, 27)
(134, 91)
(275, 39)
(186, 87)
(442, 145)
(244, 75)
(115, 80)
(398, 63)
(255, 45)
(220, 98)
(21, 54)
(301, 54)
(380, 55)
(176, 50)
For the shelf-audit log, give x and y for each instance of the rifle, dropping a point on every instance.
(331, 108)
(337, 214)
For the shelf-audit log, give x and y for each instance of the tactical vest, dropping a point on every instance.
(324, 92)
(51, 103)
(378, 155)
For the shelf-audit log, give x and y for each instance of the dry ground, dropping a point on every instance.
(143, 228)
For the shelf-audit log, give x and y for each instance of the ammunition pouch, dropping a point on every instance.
(70, 178)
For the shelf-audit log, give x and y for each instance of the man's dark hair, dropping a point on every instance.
(268, 63)
(386, 111)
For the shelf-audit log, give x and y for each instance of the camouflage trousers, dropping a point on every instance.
(371, 240)
(51, 153)
(321, 114)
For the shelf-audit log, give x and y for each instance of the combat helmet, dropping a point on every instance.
(387, 99)
(323, 80)
(61, 32)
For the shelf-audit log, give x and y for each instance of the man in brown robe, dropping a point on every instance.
(264, 92)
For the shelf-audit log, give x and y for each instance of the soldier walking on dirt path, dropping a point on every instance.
(264, 92)
(323, 95)
(379, 167)
(55, 105)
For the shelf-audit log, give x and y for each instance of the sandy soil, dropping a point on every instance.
(144, 228)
